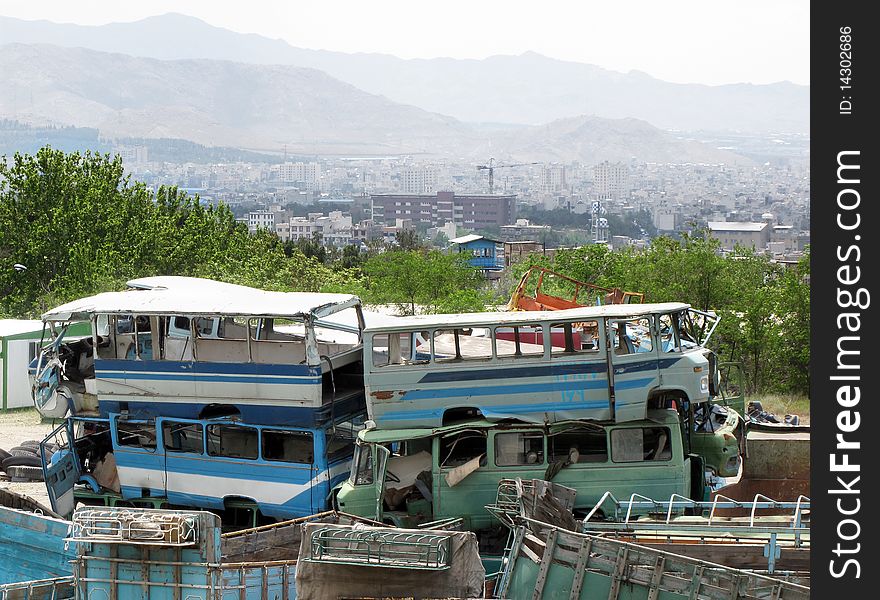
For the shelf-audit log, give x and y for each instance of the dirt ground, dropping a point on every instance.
(15, 427)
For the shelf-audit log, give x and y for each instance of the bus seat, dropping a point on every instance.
(660, 447)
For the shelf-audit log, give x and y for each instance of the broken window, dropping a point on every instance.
(458, 448)
(140, 434)
(458, 344)
(340, 441)
(362, 465)
(134, 340)
(568, 338)
(520, 448)
(667, 326)
(288, 446)
(183, 437)
(579, 445)
(632, 336)
(638, 444)
(520, 340)
(233, 441)
(229, 328)
(396, 348)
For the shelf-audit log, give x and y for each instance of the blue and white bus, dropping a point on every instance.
(194, 348)
(603, 363)
(220, 463)
(199, 392)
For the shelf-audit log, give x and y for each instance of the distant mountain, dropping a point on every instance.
(525, 89)
(270, 107)
(216, 103)
(592, 139)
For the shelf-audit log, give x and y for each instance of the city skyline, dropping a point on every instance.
(683, 42)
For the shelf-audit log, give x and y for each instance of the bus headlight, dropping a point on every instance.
(704, 384)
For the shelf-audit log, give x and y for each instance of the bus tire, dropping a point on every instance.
(22, 451)
(25, 473)
(21, 461)
(4, 454)
(30, 444)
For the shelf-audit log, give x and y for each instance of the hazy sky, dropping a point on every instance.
(704, 41)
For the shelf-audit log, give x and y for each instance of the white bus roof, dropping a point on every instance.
(491, 319)
(190, 296)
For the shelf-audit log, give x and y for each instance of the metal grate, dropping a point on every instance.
(135, 526)
(377, 547)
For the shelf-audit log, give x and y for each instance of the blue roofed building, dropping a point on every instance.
(484, 254)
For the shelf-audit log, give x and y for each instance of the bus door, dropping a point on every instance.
(139, 463)
(183, 448)
(633, 362)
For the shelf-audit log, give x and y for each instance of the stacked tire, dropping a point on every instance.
(22, 462)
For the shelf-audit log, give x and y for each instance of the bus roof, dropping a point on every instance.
(663, 416)
(488, 319)
(191, 296)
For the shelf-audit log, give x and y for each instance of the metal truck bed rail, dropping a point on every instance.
(383, 548)
(59, 588)
(641, 504)
(572, 565)
(136, 526)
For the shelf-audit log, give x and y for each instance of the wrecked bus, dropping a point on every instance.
(412, 476)
(272, 471)
(195, 348)
(605, 363)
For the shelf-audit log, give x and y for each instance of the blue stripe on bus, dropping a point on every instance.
(198, 377)
(300, 505)
(512, 371)
(543, 370)
(194, 367)
(497, 390)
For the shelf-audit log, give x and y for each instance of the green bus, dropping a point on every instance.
(412, 476)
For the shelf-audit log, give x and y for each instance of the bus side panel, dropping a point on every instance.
(532, 390)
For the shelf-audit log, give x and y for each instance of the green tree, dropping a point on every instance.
(408, 240)
(426, 278)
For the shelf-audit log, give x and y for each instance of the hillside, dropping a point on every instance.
(274, 107)
(526, 89)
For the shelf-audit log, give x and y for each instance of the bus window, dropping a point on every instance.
(288, 446)
(522, 340)
(519, 448)
(630, 337)
(233, 441)
(637, 444)
(457, 344)
(140, 434)
(462, 447)
(340, 442)
(183, 437)
(396, 348)
(668, 337)
(362, 465)
(568, 338)
(586, 445)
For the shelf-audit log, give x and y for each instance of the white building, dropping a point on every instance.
(306, 174)
(420, 179)
(611, 180)
(733, 233)
(553, 179)
(335, 228)
(261, 219)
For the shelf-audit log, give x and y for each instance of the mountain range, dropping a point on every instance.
(300, 110)
(528, 89)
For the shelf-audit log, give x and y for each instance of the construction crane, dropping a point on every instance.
(492, 166)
